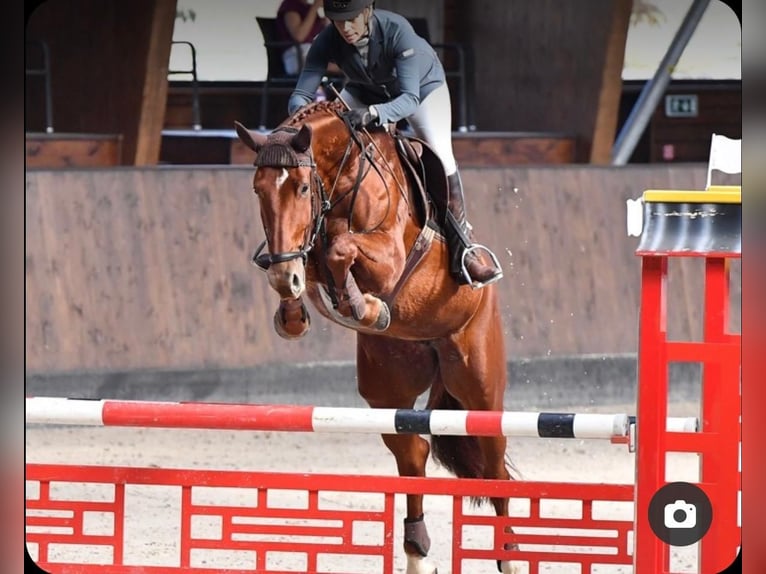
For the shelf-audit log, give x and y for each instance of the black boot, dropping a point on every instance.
(465, 264)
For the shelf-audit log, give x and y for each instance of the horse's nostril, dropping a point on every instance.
(296, 282)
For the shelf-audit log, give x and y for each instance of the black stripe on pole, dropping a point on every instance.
(412, 421)
(555, 425)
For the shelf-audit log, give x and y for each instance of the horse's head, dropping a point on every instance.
(317, 181)
(285, 182)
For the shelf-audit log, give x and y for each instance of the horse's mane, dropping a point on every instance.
(306, 112)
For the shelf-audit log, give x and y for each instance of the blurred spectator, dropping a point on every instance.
(299, 21)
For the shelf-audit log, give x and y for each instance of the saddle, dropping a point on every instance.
(426, 173)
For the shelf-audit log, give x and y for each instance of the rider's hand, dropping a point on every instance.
(359, 118)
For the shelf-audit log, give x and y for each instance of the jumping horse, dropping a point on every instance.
(347, 224)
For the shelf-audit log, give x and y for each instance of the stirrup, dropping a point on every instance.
(464, 269)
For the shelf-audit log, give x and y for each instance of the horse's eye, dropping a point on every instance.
(304, 189)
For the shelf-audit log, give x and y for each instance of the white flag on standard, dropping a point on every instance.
(725, 156)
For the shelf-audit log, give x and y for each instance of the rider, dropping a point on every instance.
(394, 74)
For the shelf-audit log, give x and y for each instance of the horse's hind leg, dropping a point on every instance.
(386, 379)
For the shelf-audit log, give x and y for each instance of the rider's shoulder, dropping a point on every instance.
(397, 30)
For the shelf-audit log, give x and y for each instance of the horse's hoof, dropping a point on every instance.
(420, 565)
(384, 318)
(507, 567)
(292, 320)
(378, 315)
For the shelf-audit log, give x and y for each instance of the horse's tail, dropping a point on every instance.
(461, 455)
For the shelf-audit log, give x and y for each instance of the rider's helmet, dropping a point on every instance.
(345, 9)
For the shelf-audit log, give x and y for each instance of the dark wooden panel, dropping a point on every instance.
(479, 149)
(221, 106)
(674, 139)
(108, 65)
(72, 150)
(192, 150)
(150, 268)
(539, 66)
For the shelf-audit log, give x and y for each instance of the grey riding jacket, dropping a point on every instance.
(402, 67)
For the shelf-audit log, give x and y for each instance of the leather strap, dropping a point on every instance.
(414, 257)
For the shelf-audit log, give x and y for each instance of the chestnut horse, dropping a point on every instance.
(341, 222)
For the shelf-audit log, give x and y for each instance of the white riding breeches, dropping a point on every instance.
(431, 122)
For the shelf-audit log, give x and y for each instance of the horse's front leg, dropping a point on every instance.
(386, 379)
(376, 253)
(411, 453)
(288, 278)
(292, 319)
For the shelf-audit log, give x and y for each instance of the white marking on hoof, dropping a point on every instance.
(509, 567)
(419, 565)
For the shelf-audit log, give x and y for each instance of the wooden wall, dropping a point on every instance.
(109, 63)
(149, 268)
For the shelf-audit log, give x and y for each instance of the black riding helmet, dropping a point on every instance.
(345, 9)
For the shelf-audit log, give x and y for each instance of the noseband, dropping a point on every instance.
(278, 152)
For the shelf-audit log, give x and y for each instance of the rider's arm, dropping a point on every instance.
(405, 104)
(311, 75)
(412, 55)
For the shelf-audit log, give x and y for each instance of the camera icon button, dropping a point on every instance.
(680, 513)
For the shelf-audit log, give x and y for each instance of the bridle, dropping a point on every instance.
(277, 152)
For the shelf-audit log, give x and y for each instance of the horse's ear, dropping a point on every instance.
(253, 140)
(302, 140)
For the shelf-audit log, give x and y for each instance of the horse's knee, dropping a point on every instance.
(410, 451)
(343, 249)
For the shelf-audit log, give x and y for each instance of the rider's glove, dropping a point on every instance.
(360, 118)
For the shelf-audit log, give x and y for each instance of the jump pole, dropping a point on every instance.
(300, 418)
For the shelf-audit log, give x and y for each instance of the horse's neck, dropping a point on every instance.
(346, 155)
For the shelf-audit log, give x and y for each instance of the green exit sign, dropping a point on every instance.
(681, 106)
